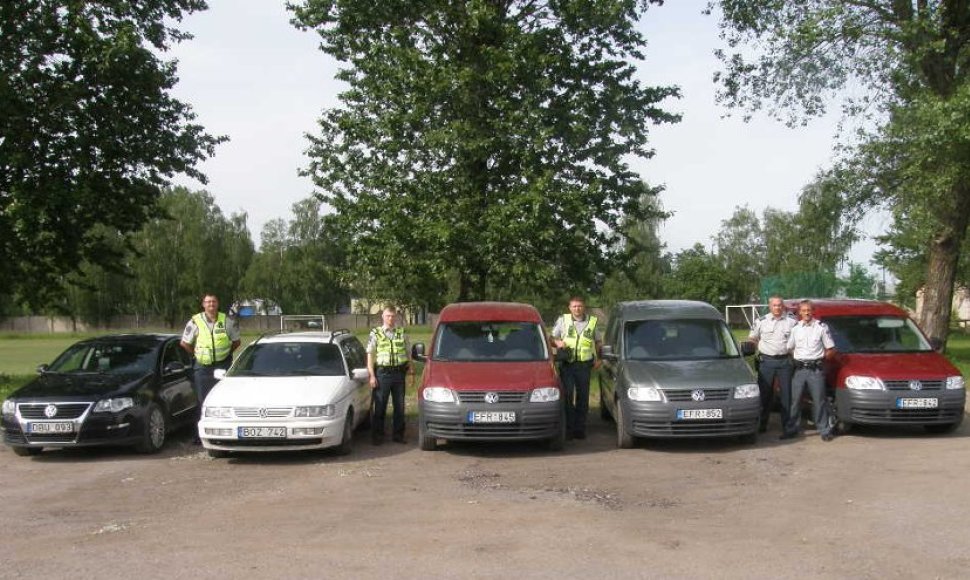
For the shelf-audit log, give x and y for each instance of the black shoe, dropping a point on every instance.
(785, 436)
(579, 435)
(399, 438)
(828, 436)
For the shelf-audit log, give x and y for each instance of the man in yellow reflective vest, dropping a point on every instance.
(577, 335)
(389, 363)
(211, 337)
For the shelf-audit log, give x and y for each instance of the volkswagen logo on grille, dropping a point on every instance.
(491, 397)
(262, 413)
(697, 395)
(915, 385)
(50, 410)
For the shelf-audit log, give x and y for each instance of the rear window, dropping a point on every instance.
(875, 334)
(282, 359)
(678, 340)
(490, 341)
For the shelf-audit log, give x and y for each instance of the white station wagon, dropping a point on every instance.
(287, 392)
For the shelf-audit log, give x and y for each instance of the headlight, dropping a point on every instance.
(749, 391)
(9, 407)
(644, 394)
(859, 383)
(317, 411)
(544, 395)
(438, 395)
(115, 405)
(954, 383)
(218, 412)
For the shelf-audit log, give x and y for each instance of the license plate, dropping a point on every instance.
(262, 432)
(920, 403)
(60, 427)
(491, 416)
(700, 413)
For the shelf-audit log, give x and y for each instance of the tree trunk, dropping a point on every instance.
(944, 255)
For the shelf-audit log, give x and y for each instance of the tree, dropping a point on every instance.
(741, 249)
(698, 275)
(859, 283)
(908, 65)
(485, 142)
(89, 133)
(641, 273)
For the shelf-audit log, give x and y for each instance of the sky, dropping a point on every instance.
(252, 76)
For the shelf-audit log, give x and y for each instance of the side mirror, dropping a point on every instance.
(606, 353)
(219, 374)
(41, 369)
(173, 368)
(417, 352)
(747, 348)
(360, 374)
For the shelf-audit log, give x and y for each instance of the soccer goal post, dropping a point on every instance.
(746, 314)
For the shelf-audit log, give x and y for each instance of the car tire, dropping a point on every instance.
(843, 428)
(426, 442)
(557, 442)
(624, 440)
(156, 429)
(347, 439)
(217, 453)
(748, 438)
(941, 429)
(27, 451)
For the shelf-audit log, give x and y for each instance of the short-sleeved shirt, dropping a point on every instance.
(558, 331)
(191, 331)
(389, 333)
(808, 342)
(772, 334)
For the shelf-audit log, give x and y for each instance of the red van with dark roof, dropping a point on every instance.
(489, 375)
(885, 371)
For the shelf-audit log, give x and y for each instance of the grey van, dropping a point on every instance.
(671, 368)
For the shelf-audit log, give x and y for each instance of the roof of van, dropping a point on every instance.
(490, 312)
(667, 309)
(823, 307)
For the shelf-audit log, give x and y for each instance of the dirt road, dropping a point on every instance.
(878, 504)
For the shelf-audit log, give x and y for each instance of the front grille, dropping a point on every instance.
(52, 438)
(64, 410)
(503, 396)
(926, 385)
(253, 412)
(904, 416)
(698, 428)
(268, 442)
(491, 431)
(684, 395)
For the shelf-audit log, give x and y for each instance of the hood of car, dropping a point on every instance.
(690, 374)
(78, 385)
(498, 376)
(897, 365)
(275, 391)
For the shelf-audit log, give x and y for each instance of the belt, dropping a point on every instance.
(773, 356)
(391, 369)
(815, 364)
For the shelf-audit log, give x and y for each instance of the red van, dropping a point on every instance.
(489, 376)
(885, 371)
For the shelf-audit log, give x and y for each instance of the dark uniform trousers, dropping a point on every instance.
(203, 376)
(390, 384)
(769, 368)
(575, 378)
(809, 375)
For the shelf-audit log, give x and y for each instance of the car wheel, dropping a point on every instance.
(347, 439)
(155, 430)
(624, 440)
(940, 429)
(604, 411)
(217, 453)
(426, 442)
(748, 438)
(843, 428)
(27, 451)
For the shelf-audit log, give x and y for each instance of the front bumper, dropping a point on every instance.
(224, 435)
(451, 421)
(89, 429)
(660, 419)
(872, 407)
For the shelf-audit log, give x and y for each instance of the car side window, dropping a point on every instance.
(171, 354)
(352, 351)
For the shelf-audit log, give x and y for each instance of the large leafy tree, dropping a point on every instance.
(484, 142)
(903, 66)
(89, 133)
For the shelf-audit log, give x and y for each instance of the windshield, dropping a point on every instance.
(490, 341)
(118, 358)
(285, 359)
(876, 334)
(678, 340)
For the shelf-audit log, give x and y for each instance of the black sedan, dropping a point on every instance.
(129, 389)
